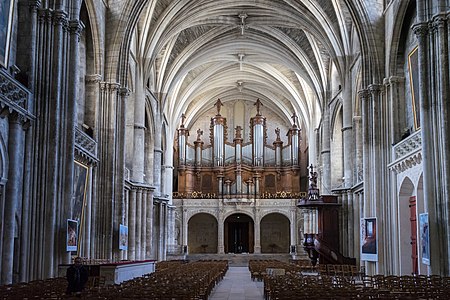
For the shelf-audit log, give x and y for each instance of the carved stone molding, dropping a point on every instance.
(407, 153)
(85, 147)
(14, 97)
(408, 145)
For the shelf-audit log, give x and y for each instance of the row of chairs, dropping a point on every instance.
(171, 280)
(341, 270)
(177, 280)
(299, 286)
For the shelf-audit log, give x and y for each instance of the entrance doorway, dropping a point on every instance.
(239, 234)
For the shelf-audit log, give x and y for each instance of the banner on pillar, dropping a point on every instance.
(369, 247)
(123, 237)
(424, 238)
(72, 235)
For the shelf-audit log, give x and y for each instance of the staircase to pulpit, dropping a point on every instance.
(321, 226)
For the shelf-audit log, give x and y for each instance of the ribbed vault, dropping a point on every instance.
(193, 52)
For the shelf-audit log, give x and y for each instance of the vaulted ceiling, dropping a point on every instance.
(196, 51)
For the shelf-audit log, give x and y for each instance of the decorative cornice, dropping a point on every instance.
(407, 163)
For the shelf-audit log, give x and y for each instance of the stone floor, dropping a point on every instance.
(238, 285)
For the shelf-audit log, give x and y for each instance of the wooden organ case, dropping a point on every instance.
(234, 169)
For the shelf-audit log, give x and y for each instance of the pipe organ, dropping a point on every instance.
(237, 169)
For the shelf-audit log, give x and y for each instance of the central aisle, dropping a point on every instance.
(238, 285)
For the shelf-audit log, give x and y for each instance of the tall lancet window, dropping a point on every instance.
(258, 134)
(218, 126)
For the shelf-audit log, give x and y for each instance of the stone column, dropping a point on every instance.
(92, 99)
(185, 219)
(366, 123)
(162, 231)
(257, 229)
(351, 223)
(326, 153)
(293, 227)
(14, 187)
(25, 253)
(143, 218)
(220, 232)
(138, 223)
(441, 24)
(377, 148)
(149, 226)
(357, 125)
(395, 87)
(437, 247)
(157, 162)
(347, 132)
(166, 184)
(132, 225)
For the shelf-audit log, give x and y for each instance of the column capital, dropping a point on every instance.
(375, 88)
(396, 79)
(420, 29)
(363, 94)
(60, 18)
(124, 92)
(18, 118)
(439, 21)
(93, 79)
(76, 27)
(34, 5)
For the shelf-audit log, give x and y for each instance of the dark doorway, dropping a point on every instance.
(239, 234)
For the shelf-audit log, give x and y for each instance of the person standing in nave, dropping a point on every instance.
(77, 276)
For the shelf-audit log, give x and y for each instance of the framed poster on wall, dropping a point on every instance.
(72, 235)
(424, 238)
(369, 250)
(6, 22)
(123, 237)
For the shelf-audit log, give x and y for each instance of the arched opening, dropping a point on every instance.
(202, 234)
(408, 228)
(239, 234)
(274, 234)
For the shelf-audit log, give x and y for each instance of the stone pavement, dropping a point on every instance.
(238, 285)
